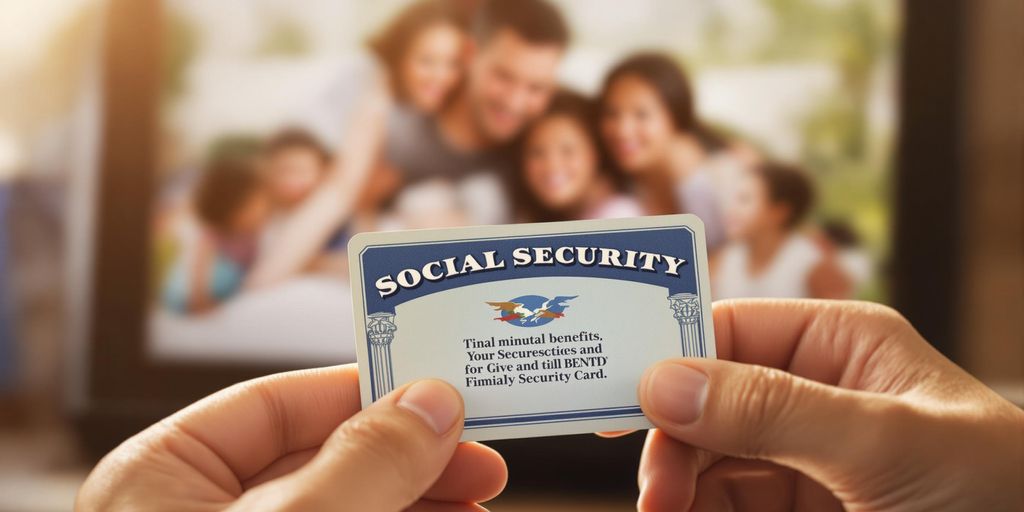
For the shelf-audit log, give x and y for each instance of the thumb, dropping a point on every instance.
(386, 456)
(758, 412)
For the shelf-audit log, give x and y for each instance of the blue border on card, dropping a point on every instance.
(627, 411)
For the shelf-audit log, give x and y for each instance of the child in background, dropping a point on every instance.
(296, 163)
(840, 238)
(767, 254)
(565, 174)
(230, 205)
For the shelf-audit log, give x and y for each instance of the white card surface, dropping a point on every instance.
(545, 329)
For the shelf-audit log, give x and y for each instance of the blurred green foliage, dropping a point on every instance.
(232, 146)
(850, 158)
(180, 45)
(285, 37)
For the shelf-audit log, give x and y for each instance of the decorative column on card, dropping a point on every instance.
(686, 310)
(380, 330)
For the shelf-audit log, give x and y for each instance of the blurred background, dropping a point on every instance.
(904, 119)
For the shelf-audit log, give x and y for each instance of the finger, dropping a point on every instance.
(443, 506)
(281, 467)
(614, 433)
(826, 341)
(756, 412)
(745, 485)
(475, 473)
(248, 426)
(741, 485)
(383, 458)
(668, 472)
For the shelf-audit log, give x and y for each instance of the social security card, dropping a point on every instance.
(545, 329)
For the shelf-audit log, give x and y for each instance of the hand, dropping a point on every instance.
(821, 406)
(298, 441)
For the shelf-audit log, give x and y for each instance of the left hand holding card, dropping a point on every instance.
(299, 441)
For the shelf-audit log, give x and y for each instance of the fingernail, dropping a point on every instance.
(434, 401)
(677, 393)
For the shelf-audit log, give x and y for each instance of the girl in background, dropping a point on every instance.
(768, 254)
(654, 138)
(417, 60)
(422, 52)
(224, 247)
(231, 205)
(565, 175)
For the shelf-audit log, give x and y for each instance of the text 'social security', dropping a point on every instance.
(440, 270)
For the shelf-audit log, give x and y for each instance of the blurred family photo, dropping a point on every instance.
(461, 112)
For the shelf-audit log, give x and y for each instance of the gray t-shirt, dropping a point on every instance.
(417, 148)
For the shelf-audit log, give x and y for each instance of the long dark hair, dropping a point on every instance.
(672, 85)
(584, 112)
(392, 42)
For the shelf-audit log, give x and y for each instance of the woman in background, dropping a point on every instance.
(565, 174)
(415, 63)
(653, 135)
(768, 255)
